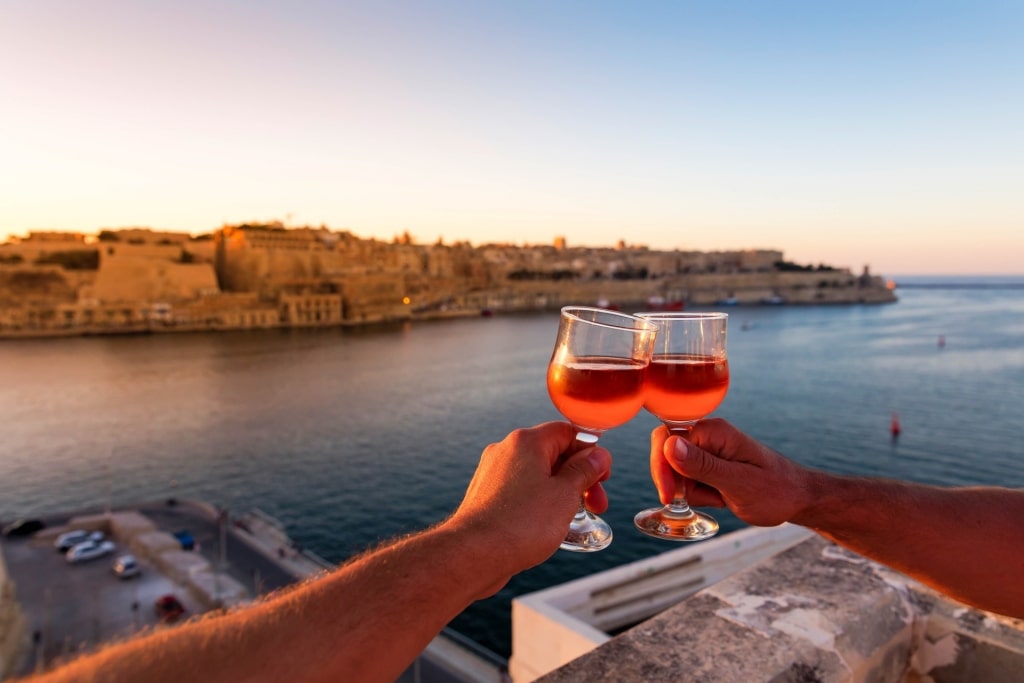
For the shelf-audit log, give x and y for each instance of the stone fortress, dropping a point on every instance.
(269, 276)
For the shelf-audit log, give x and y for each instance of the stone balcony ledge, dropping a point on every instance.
(812, 613)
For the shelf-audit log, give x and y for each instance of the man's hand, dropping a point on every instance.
(526, 490)
(725, 467)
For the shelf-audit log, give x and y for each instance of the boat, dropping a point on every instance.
(658, 303)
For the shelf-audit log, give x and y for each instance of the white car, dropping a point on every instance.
(70, 539)
(89, 550)
(126, 566)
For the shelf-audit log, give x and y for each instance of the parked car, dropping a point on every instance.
(169, 608)
(24, 527)
(126, 566)
(70, 539)
(185, 538)
(89, 550)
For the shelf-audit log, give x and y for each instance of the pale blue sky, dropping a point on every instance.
(876, 133)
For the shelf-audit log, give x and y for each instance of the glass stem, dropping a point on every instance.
(679, 507)
(583, 440)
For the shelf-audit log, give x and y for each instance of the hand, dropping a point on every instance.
(526, 490)
(725, 467)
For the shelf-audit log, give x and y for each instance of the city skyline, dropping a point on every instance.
(873, 135)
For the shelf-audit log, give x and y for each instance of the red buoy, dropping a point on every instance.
(894, 426)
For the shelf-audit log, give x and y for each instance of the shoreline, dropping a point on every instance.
(155, 328)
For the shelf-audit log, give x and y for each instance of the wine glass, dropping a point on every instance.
(596, 380)
(687, 378)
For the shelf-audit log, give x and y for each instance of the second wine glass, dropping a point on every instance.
(596, 380)
(687, 378)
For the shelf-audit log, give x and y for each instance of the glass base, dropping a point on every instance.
(672, 525)
(587, 533)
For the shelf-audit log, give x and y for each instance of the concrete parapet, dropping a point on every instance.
(817, 613)
(215, 589)
(180, 565)
(263, 533)
(98, 522)
(125, 526)
(554, 626)
(152, 544)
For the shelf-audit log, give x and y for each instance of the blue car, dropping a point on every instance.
(185, 539)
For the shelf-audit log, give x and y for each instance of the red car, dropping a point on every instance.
(169, 608)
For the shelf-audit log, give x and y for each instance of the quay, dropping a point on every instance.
(51, 610)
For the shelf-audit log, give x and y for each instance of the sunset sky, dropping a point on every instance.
(867, 133)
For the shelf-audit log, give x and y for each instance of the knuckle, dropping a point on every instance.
(521, 437)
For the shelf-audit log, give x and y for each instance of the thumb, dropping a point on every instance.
(696, 463)
(585, 468)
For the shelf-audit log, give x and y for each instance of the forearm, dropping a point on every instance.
(965, 542)
(365, 622)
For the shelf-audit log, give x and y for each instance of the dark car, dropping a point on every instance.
(169, 608)
(185, 538)
(24, 527)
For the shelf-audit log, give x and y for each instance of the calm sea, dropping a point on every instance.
(350, 437)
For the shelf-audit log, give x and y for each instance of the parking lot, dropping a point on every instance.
(71, 607)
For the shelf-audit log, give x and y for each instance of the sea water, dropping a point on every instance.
(353, 436)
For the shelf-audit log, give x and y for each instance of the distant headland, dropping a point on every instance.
(250, 276)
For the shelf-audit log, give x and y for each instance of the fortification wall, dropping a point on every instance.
(145, 280)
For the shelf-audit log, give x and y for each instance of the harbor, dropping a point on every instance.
(323, 429)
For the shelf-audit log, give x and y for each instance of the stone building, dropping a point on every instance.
(266, 275)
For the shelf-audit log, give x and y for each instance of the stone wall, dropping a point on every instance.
(814, 613)
(149, 274)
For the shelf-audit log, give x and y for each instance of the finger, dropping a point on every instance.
(596, 499)
(586, 468)
(696, 463)
(662, 474)
(553, 439)
(703, 496)
(718, 436)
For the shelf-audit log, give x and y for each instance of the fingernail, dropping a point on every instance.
(680, 449)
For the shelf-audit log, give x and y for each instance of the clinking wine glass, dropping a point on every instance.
(686, 380)
(595, 379)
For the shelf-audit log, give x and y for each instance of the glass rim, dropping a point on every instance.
(638, 324)
(683, 315)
